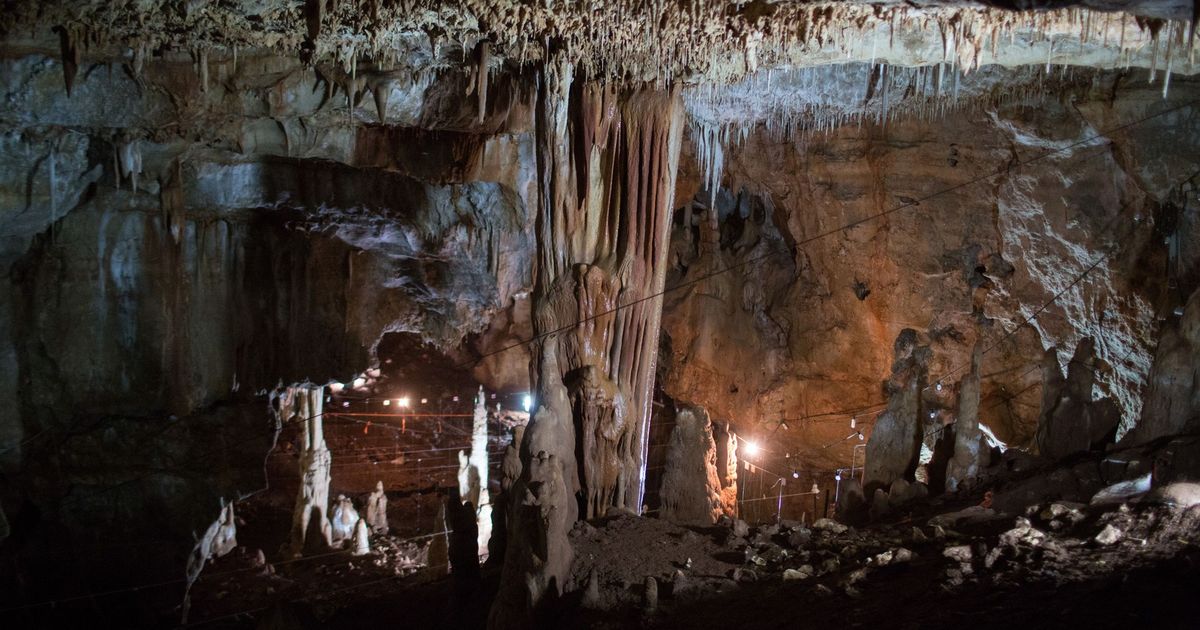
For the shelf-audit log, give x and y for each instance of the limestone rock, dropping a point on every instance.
(362, 543)
(345, 518)
(1109, 535)
(377, 510)
(972, 453)
(1182, 495)
(650, 595)
(304, 404)
(691, 484)
(1173, 393)
(895, 443)
(1071, 421)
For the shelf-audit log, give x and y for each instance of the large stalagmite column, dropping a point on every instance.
(303, 404)
(606, 163)
(692, 489)
(473, 474)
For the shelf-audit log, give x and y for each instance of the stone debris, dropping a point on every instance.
(830, 525)
(1110, 535)
(959, 553)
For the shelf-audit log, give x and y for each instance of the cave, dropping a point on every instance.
(609, 313)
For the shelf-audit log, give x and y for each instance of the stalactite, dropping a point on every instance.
(481, 79)
(68, 40)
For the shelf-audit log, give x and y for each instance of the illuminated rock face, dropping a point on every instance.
(895, 445)
(695, 489)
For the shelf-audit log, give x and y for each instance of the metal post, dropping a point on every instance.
(779, 502)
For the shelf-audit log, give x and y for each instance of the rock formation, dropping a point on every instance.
(692, 489)
(972, 453)
(473, 474)
(1173, 395)
(608, 161)
(895, 444)
(362, 540)
(377, 517)
(304, 405)
(1071, 421)
(345, 518)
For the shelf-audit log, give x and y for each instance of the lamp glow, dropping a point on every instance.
(403, 402)
(386, 402)
(527, 402)
(751, 448)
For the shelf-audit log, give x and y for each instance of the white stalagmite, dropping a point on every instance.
(345, 518)
(219, 539)
(303, 404)
(362, 543)
(479, 460)
(377, 510)
(473, 474)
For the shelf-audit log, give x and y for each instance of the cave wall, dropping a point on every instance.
(800, 330)
(172, 250)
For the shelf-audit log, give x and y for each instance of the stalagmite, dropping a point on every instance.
(218, 540)
(362, 543)
(1071, 421)
(603, 223)
(377, 510)
(479, 495)
(304, 405)
(895, 444)
(345, 517)
(691, 489)
(1173, 395)
(971, 450)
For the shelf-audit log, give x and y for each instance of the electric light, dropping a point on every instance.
(853, 421)
(386, 402)
(795, 475)
(751, 448)
(424, 401)
(527, 402)
(403, 402)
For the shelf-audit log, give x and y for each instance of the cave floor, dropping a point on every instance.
(1045, 571)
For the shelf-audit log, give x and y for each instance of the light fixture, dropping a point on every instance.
(403, 402)
(837, 476)
(795, 474)
(751, 448)
(386, 402)
(456, 399)
(424, 401)
(860, 436)
(346, 404)
(932, 415)
(527, 402)
(853, 422)
(939, 386)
